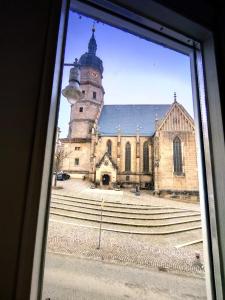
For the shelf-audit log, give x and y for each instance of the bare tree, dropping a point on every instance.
(60, 155)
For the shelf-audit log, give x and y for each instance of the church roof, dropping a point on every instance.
(127, 118)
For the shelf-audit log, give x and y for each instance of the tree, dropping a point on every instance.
(60, 155)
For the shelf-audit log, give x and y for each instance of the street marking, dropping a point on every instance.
(189, 243)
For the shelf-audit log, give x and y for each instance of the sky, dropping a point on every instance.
(136, 71)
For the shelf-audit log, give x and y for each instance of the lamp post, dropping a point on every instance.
(100, 226)
(72, 91)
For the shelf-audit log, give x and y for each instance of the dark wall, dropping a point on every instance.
(200, 11)
(28, 34)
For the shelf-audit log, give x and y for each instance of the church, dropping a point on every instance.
(152, 146)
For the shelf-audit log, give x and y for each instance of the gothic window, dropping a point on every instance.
(177, 156)
(109, 147)
(83, 92)
(81, 109)
(94, 95)
(128, 157)
(145, 157)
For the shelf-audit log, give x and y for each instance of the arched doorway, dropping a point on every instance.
(105, 179)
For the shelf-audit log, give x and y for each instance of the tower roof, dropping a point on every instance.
(89, 59)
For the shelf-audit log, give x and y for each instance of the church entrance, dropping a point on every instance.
(105, 179)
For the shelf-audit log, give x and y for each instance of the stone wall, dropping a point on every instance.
(83, 154)
(81, 122)
(118, 156)
(165, 177)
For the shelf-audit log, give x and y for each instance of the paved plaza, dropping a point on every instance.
(80, 238)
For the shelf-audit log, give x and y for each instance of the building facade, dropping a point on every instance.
(149, 145)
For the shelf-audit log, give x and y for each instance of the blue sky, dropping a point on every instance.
(136, 71)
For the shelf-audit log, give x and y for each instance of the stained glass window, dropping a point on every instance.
(109, 147)
(177, 156)
(128, 157)
(145, 157)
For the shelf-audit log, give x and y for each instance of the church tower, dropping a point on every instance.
(85, 111)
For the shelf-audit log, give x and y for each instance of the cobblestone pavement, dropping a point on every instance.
(145, 251)
(66, 236)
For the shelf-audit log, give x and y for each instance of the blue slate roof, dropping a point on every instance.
(128, 117)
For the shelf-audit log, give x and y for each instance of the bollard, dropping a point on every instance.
(197, 256)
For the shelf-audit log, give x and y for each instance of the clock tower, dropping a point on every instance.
(85, 111)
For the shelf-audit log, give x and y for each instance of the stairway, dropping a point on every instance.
(127, 218)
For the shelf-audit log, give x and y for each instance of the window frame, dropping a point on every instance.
(197, 42)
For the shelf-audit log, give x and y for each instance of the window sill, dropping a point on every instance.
(179, 174)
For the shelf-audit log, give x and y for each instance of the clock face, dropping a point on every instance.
(93, 74)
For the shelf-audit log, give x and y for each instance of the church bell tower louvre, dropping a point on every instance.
(85, 111)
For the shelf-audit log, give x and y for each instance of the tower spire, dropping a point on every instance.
(92, 45)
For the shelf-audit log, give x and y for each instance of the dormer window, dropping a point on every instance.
(81, 109)
(94, 95)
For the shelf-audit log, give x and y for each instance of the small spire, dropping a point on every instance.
(92, 45)
(93, 27)
(175, 97)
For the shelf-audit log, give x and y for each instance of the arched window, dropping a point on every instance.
(177, 156)
(109, 147)
(128, 157)
(145, 157)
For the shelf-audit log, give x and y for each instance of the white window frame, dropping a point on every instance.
(196, 42)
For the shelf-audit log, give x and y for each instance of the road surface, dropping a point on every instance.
(70, 278)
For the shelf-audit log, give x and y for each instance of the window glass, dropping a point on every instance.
(125, 222)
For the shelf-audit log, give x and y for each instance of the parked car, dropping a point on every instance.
(62, 176)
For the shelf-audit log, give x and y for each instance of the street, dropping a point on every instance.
(69, 278)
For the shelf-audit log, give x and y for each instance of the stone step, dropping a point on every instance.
(128, 229)
(109, 208)
(120, 215)
(123, 222)
(116, 204)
